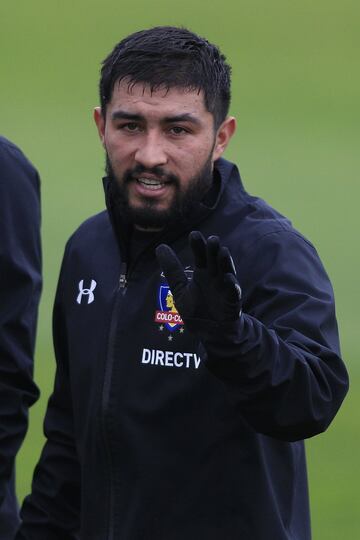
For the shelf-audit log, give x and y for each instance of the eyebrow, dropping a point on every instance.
(122, 115)
(185, 117)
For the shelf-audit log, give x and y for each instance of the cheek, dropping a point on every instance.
(118, 153)
(189, 154)
(195, 159)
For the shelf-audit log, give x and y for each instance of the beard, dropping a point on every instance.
(183, 205)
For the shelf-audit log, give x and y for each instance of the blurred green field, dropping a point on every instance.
(296, 95)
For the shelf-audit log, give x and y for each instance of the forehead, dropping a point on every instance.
(140, 96)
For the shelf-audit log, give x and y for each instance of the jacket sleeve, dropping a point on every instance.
(52, 510)
(20, 287)
(281, 359)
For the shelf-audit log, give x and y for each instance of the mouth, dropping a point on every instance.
(152, 184)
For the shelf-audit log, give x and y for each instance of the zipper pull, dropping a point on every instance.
(122, 279)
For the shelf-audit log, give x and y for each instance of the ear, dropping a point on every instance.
(100, 123)
(223, 136)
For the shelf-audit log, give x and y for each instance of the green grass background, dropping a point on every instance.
(296, 97)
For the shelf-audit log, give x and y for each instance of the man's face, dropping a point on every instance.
(160, 148)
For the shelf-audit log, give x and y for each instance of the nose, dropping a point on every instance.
(151, 152)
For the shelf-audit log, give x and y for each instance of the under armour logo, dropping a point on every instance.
(86, 292)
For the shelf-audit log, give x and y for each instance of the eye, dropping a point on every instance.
(178, 130)
(131, 127)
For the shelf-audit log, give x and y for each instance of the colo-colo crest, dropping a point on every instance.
(167, 314)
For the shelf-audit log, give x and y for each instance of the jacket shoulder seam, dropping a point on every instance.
(281, 230)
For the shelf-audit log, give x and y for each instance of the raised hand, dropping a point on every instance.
(213, 293)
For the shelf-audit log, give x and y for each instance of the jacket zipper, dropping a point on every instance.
(106, 394)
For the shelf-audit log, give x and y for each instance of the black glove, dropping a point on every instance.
(213, 293)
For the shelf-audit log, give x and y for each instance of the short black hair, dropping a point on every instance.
(169, 57)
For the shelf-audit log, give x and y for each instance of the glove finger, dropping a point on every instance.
(212, 251)
(232, 290)
(198, 247)
(172, 268)
(225, 262)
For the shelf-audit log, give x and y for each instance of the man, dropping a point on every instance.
(186, 423)
(20, 284)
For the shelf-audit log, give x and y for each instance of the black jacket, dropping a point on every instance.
(154, 436)
(20, 285)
